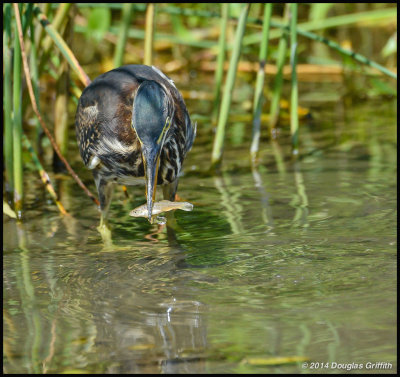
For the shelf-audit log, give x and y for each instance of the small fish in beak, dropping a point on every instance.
(161, 206)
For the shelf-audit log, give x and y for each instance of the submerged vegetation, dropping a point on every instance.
(58, 46)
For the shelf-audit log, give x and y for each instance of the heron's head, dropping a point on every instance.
(151, 119)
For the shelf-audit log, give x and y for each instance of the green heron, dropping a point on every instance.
(132, 123)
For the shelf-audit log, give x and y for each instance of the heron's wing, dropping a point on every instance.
(87, 132)
(191, 129)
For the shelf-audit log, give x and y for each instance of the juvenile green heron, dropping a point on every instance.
(132, 123)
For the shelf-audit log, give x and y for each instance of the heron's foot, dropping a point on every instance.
(105, 231)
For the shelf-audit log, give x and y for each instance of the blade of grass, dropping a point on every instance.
(17, 123)
(57, 24)
(149, 34)
(65, 50)
(276, 93)
(255, 38)
(367, 16)
(7, 90)
(257, 105)
(59, 18)
(27, 18)
(180, 31)
(329, 22)
(318, 13)
(39, 32)
(8, 210)
(35, 109)
(230, 81)
(219, 72)
(35, 82)
(125, 22)
(173, 39)
(358, 57)
(294, 116)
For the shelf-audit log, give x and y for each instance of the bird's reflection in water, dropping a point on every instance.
(170, 339)
(183, 335)
(159, 326)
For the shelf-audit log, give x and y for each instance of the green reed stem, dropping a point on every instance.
(178, 29)
(7, 102)
(294, 101)
(356, 56)
(35, 82)
(59, 18)
(65, 50)
(149, 34)
(17, 124)
(123, 34)
(302, 30)
(353, 18)
(35, 108)
(40, 33)
(277, 89)
(257, 105)
(171, 38)
(219, 71)
(335, 21)
(27, 18)
(7, 210)
(56, 23)
(323, 24)
(230, 81)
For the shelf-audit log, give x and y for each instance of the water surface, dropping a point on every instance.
(294, 259)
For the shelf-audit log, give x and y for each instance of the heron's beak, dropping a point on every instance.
(151, 159)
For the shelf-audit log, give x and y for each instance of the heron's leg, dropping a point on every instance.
(169, 192)
(105, 190)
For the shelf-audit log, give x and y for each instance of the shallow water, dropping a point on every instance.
(296, 259)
